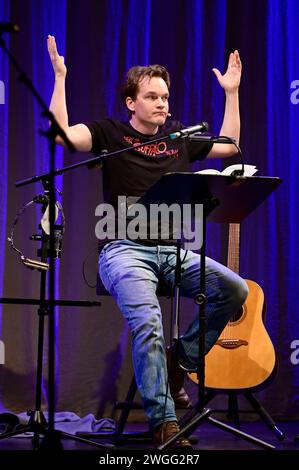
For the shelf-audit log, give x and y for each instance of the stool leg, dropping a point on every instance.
(127, 407)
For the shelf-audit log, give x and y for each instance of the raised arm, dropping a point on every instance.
(230, 82)
(78, 134)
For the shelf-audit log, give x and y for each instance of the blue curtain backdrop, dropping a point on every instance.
(100, 41)
(46, 18)
(4, 13)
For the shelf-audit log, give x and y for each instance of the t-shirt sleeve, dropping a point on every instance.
(198, 150)
(98, 136)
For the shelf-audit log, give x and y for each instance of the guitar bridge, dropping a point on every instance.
(231, 343)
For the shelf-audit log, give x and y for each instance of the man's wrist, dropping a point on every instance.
(233, 92)
(59, 78)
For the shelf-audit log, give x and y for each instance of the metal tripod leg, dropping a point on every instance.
(195, 417)
(233, 408)
(256, 405)
(263, 414)
(50, 441)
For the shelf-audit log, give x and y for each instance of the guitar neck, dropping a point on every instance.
(233, 257)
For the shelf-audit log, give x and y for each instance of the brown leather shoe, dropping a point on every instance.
(176, 380)
(165, 431)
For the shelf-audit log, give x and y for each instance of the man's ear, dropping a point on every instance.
(130, 104)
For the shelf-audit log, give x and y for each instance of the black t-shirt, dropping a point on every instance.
(133, 172)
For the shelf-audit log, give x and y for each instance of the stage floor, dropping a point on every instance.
(207, 437)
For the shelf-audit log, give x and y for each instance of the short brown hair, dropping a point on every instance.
(136, 74)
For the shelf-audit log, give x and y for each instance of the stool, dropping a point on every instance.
(119, 436)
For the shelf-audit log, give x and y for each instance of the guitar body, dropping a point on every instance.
(243, 356)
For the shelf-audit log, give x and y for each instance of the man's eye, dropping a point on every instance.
(154, 97)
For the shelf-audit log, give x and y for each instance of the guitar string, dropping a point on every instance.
(233, 263)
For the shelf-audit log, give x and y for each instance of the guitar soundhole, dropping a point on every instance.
(237, 316)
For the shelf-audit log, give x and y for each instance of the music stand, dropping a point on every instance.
(225, 199)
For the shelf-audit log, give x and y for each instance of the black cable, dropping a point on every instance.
(171, 266)
(12, 230)
(28, 262)
(220, 139)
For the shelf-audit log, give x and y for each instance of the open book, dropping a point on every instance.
(249, 170)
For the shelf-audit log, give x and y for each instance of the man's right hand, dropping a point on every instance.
(78, 134)
(56, 59)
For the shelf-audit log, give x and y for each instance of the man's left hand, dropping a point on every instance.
(230, 81)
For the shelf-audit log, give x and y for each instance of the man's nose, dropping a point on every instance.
(161, 103)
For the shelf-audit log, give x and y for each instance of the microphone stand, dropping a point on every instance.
(95, 161)
(51, 437)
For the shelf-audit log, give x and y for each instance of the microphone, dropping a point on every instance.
(168, 114)
(6, 27)
(200, 127)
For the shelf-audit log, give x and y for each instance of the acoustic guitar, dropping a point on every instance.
(243, 356)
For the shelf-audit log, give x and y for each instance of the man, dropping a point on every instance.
(131, 270)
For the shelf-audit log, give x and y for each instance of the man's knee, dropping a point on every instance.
(147, 326)
(240, 291)
(234, 290)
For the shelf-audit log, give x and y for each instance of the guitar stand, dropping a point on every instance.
(233, 409)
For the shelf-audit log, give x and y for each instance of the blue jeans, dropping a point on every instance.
(130, 272)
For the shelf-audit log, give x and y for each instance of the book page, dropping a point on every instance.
(249, 170)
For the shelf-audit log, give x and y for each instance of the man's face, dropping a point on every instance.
(150, 107)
